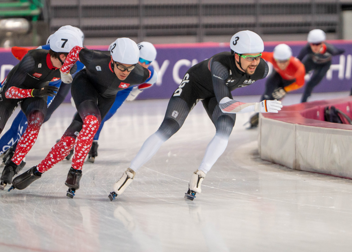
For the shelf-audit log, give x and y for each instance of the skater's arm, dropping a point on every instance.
(301, 72)
(231, 106)
(15, 92)
(219, 75)
(333, 50)
(71, 59)
(304, 51)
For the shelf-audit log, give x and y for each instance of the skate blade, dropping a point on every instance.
(11, 188)
(70, 193)
(190, 196)
(112, 196)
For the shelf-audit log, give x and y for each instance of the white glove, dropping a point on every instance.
(134, 93)
(268, 106)
(66, 77)
(279, 93)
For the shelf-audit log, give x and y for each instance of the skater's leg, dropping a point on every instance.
(7, 106)
(120, 98)
(224, 124)
(16, 130)
(34, 109)
(170, 125)
(62, 148)
(319, 73)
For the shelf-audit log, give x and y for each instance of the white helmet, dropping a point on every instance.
(147, 51)
(62, 41)
(246, 42)
(48, 39)
(74, 29)
(282, 52)
(125, 51)
(316, 36)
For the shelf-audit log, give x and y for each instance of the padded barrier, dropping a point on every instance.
(299, 138)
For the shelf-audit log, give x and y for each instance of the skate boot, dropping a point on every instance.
(93, 152)
(121, 185)
(7, 174)
(72, 181)
(195, 184)
(25, 179)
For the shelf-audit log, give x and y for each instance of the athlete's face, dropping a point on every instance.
(144, 65)
(122, 70)
(56, 62)
(316, 48)
(282, 64)
(249, 62)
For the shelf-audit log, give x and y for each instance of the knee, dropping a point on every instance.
(168, 128)
(89, 108)
(35, 119)
(224, 126)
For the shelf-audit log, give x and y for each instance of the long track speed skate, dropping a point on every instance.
(191, 195)
(10, 170)
(72, 182)
(25, 179)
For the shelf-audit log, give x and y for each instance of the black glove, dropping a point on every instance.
(279, 93)
(44, 91)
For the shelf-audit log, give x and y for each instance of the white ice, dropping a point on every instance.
(246, 204)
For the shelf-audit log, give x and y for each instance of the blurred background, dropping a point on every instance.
(30, 22)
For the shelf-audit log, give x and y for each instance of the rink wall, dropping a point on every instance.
(299, 138)
(173, 60)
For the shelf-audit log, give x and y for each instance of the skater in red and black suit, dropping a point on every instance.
(27, 85)
(93, 90)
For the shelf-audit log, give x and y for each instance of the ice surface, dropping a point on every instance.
(246, 204)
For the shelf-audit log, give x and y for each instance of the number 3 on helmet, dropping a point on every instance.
(244, 42)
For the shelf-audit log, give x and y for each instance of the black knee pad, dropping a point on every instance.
(35, 119)
(224, 125)
(168, 128)
(89, 108)
(74, 129)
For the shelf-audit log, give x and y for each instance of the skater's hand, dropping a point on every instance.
(44, 91)
(66, 77)
(133, 94)
(279, 93)
(268, 106)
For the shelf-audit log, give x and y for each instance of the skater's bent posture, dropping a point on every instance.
(287, 75)
(147, 54)
(316, 56)
(93, 90)
(27, 85)
(211, 81)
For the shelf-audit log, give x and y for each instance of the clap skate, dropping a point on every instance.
(72, 181)
(10, 170)
(121, 185)
(93, 152)
(253, 121)
(25, 179)
(194, 185)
